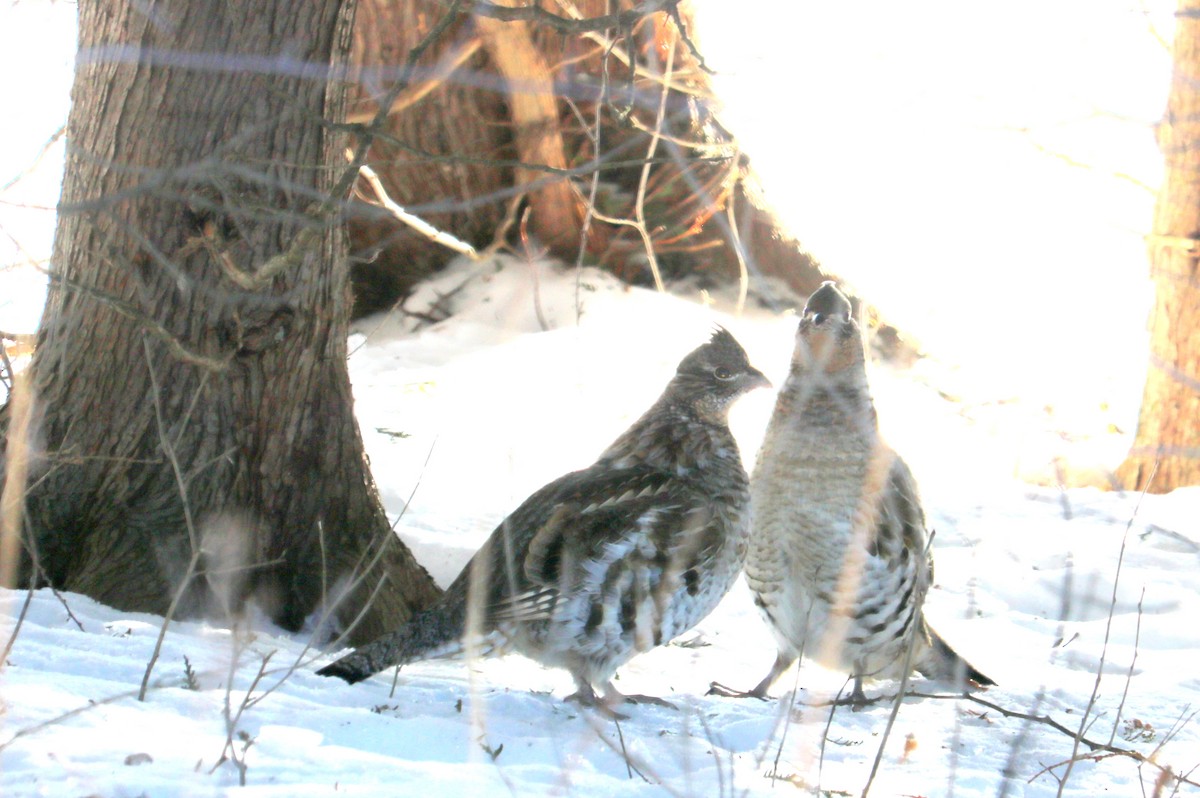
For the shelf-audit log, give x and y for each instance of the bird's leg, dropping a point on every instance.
(782, 662)
(585, 696)
(858, 699)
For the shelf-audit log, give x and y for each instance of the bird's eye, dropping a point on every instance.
(722, 373)
(818, 318)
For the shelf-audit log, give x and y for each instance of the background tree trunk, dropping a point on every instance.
(1168, 431)
(190, 392)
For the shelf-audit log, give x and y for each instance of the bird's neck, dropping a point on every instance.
(817, 399)
(675, 439)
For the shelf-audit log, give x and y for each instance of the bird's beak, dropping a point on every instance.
(756, 379)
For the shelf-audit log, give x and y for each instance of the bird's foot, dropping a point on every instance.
(586, 697)
(857, 700)
(647, 699)
(716, 688)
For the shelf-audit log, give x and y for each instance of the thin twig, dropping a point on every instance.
(739, 252)
(640, 202)
(534, 13)
(12, 639)
(837, 701)
(1046, 720)
(787, 723)
(625, 751)
(532, 254)
(1091, 704)
(193, 540)
(150, 325)
(1137, 637)
(390, 536)
(909, 654)
(33, 165)
(414, 93)
(90, 705)
(232, 719)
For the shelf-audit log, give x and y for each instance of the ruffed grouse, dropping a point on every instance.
(839, 561)
(610, 561)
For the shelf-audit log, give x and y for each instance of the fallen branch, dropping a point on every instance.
(420, 225)
(1046, 720)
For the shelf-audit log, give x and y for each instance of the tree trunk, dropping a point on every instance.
(1167, 444)
(191, 372)
(556, 214)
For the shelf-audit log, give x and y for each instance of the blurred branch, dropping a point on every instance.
(1093, 746)
(640, 204)
(152, 326)
(610, 47)
(58, 134)
(309, 237)
(413, 94)
(586, 170)
(534, 13)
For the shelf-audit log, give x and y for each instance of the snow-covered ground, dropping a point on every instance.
(477, 411)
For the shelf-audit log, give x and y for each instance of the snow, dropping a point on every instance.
(489, 406)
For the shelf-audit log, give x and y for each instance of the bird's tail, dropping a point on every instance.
(431, 634)
(944, 664)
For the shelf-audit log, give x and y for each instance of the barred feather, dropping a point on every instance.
(839, 562)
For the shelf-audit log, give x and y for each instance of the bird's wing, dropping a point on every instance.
(900, 538)
(651, 523)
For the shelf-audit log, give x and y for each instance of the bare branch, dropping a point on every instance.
(640, 203)
(54, 137)
(416, 92)
(415, 222)
(1112, 606)
(151, 326)
(193, 539)
(535, 13)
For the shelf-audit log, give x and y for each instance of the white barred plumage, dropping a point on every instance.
(838, 561)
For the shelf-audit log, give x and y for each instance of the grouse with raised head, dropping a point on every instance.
(839, 559)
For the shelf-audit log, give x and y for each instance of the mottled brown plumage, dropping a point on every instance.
(839, 562)
(610, 561)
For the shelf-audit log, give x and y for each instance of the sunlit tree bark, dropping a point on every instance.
(1167, 444)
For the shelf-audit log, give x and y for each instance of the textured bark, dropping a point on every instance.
(198, 153)
(456, 111)
(1167, 443)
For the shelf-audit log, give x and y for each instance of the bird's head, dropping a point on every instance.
(713, 375)
(828, 338)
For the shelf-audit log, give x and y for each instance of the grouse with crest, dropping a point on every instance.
(610, 561)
